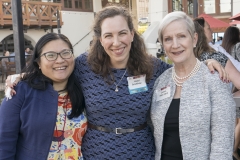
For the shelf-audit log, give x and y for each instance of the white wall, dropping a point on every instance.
(32, 35)
(235, 10)
(76, 26)
(4, 33)
(97, 5)
(157, 9)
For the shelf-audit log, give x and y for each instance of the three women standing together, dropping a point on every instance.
(117, 79)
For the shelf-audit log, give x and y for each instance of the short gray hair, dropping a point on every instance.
(176, 16)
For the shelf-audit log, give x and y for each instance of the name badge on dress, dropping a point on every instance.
(137, 84)
(163, 93)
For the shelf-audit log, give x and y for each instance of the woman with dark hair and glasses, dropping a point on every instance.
(46, 118)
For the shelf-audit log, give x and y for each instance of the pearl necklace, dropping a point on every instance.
(176, 78)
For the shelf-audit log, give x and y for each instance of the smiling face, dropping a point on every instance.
(116, 39)
(60, 69)
(178, 43)
(208, 31)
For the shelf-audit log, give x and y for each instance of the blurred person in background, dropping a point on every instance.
(231, 42)
(218, 48)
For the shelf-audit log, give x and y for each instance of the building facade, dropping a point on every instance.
(142, 8)
(40, 17)
(220, 9)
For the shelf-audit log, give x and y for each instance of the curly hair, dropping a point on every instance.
(139, 61)
(202, 45)
(231, 37)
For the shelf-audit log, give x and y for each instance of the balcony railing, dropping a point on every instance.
(34, 14)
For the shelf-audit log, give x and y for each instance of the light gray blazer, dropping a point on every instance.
(206, 116)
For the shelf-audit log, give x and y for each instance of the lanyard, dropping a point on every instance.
(59, 139)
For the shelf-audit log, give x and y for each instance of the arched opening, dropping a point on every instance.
(8, 43)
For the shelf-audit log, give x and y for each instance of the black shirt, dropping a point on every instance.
(171, 146)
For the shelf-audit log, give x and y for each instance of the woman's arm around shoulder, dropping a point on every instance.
(160, 66)
(234, 74)
(223, 113)
(10, 123)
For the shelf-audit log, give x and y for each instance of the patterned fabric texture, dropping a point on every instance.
(107, 108)
(237, 112)
(218, 56)
(67, 138)
(236, 51)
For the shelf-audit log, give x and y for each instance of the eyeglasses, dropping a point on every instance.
(52, 56)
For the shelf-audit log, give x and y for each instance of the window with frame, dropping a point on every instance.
(190, 7)
(121, 2)
(209, 6)
(177, 5)
(57, 1)
(225, 6)
(88, 4)
(76, 5)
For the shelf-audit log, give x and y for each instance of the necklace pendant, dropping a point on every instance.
(116, 90)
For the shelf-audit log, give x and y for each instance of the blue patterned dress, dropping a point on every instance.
(107, 108)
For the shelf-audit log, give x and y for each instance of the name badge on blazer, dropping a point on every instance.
(137, 84)
(163, 93)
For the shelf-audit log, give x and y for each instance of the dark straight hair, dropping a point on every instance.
(231, 37)
(200, 21)
(37, 80)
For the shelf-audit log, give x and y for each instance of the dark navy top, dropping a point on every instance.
(31, 116)
(107, 108)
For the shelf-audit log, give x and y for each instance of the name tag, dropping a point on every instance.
(163, 93)
(137, 84)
